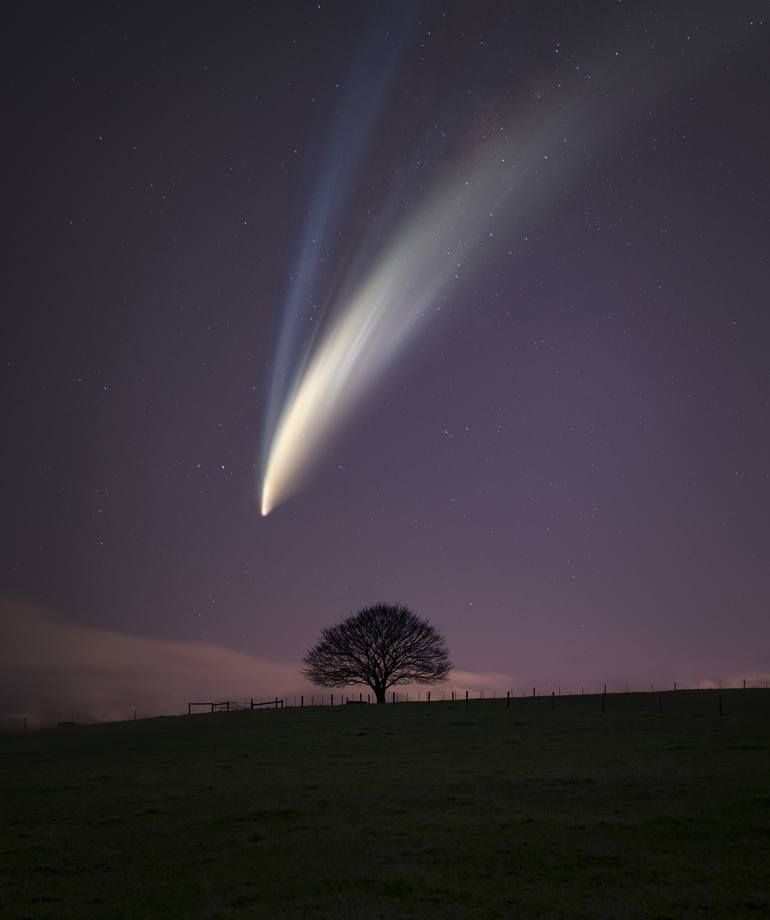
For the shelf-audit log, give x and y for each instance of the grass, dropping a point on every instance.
(402, 811)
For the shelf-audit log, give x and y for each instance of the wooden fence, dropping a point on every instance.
(234, 705)
(456, 696)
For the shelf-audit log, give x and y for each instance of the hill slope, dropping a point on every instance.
(411, 810)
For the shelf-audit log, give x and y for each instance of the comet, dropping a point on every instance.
(405, 289)
(399, 283)
(394, 285)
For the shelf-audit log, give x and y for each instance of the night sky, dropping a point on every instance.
(564, 465)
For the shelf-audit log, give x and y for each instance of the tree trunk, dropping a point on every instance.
(379, 694)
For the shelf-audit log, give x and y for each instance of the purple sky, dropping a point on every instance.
(568, 473)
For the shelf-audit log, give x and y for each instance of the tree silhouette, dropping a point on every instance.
(379, 647)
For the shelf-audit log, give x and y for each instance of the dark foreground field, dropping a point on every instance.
(398, 811)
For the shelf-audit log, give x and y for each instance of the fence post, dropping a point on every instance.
(227, 704)
(429, 697)
(674, 685)
(533, 693)
(604, 697)
(453, 696)
(507, 699)
(368, 697)
(276, 704)
(553, 699)
(252, 702)
(212, 707)
(466, 697)
(394, 696)
(332, 699)
(302, 702)
(744, 683)
(189, 708)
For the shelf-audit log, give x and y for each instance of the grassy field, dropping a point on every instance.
(411, 810)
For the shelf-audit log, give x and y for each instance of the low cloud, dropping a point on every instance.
(751, 679)
(476, 681)
(52, 670)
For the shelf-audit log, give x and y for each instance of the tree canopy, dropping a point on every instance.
(379, 647)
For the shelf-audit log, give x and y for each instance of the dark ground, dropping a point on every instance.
(398, 811)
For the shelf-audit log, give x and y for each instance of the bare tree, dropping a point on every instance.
(379, 647)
